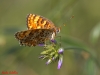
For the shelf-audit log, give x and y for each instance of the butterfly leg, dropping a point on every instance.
(60, 40)
(45, 43)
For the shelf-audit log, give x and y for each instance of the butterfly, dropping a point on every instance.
(40, 29)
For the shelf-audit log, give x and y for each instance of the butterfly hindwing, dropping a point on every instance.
(33, 37)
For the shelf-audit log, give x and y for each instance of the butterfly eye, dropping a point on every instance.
(58, 30)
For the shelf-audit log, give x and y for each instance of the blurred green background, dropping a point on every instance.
(82, 31)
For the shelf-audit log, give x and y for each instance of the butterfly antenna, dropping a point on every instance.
(67, 21)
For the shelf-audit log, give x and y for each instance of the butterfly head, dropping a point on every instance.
(58, 29)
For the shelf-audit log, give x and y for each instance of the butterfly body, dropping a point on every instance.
(39, 30)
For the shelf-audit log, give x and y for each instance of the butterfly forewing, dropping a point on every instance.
(38, 22)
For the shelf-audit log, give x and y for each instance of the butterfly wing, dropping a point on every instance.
(38, 22)
(34, 37)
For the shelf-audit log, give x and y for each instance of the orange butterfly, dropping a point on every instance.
(39, 30)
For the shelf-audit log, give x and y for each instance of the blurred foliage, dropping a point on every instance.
(80, 36)
(95, 34)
